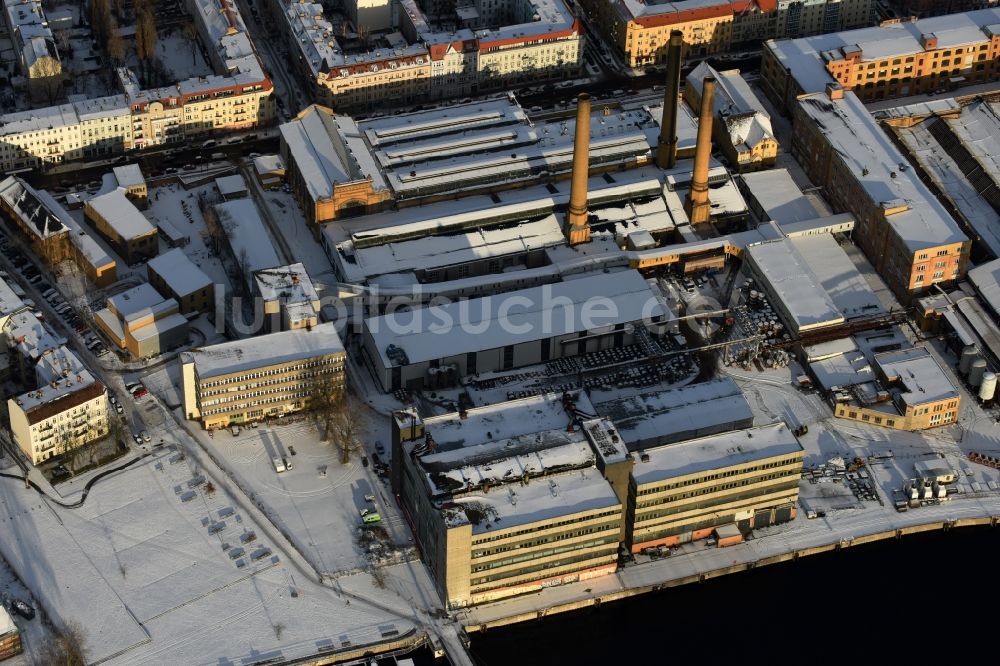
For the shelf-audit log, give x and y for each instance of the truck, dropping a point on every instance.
(279, 465)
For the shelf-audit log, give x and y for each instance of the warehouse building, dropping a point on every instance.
(117, 219)
(251, 246)
(508, 331)
(142, 322)
(685, 491)
(266, 376)
(177, 277)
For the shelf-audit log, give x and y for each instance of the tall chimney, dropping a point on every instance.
(666, 148)
(577, 227)
(698, 207)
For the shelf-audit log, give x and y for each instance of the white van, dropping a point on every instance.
(279, 465)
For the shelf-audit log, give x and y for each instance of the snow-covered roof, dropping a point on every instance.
(328, 151)
(139, 302)
(80, 236)
(882, 171)
(247, 236)
(588, 303)
(9, 301)
(715, 452)
(747, 121)
(778, 195)
(666, 416)
(439, 251)
(805, 56)
(978, 127)
(837, 274)
(289, 284)
(182, 276)
(264, 350)
(25, 202)
(922, 378)
(986, 278)
(30, 336)
(265, 164)
(231, 185)
(7, 625)
(129, 175)
(564, 494)
(780, 265)
(951, 181)
(121, 214)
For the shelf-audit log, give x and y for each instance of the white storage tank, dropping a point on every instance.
(969, 355)
(988, 387)
(977, 371)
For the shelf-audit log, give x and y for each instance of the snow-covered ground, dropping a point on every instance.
(319, 513)
(181, 58)
(295, 232)
(169, 591)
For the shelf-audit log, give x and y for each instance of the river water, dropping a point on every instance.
(926, 598)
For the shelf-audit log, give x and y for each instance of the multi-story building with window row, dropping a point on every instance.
(896, 59)
(639, 31)
(417, 61)
(261, 377)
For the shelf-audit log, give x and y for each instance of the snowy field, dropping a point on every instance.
(144, 548)
(320, 513)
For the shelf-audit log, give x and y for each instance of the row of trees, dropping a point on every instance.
(106, 31)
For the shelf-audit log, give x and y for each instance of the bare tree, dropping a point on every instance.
(47, 73)
(100, 17)
(145, 39)
(340, 416)
(190, 33)
(64, 648)
(116, 47)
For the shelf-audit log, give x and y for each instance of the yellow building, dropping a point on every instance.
(66, 408)
(507, 499)
(261, 377)
(143, 323)
(919, 394)
(684, 491)
(129, 177)
(117, 219)
(640, 30)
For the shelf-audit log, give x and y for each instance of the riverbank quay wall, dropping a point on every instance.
(694, 567)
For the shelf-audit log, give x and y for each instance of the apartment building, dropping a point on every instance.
(261, 377)
(507, 499)
(142, 322)
(413, 59)
(65, 406)
(117, 219)
(639, 31)
(920, 394)
(686, 491)
(35, 48)
(924, 8)
(896, 59)
(289, 297)
(742, 128)
(177, 277)
(909, 237)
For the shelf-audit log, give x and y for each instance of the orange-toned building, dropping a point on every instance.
(896, 59)
(909, 237)
(640, 30)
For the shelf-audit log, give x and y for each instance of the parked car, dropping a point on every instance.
(140, 393)
(137, 438)
(145, 436)
(22, 608)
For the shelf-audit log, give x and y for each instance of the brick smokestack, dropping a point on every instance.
(666, 148)
(698, 207)
(577, 227)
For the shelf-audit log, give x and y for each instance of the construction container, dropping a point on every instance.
(976, 372)
(969, 355)
(988, 386)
